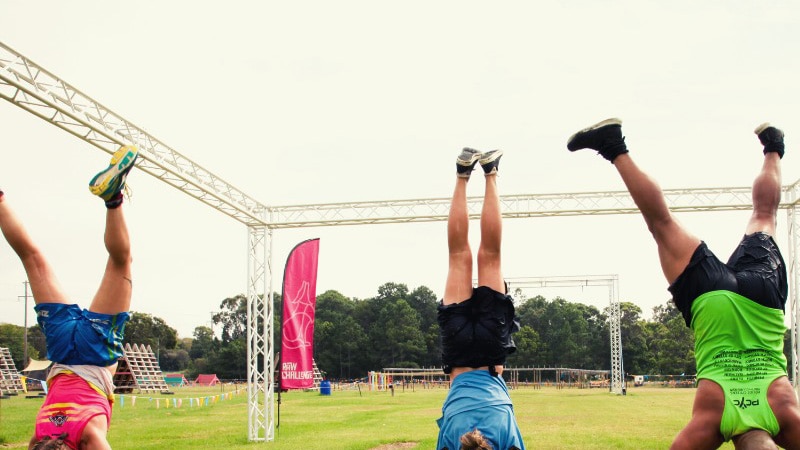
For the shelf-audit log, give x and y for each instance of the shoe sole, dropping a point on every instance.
(494, 156)
(100, 183)
(472, 161)
(611, 121)
(762, 127)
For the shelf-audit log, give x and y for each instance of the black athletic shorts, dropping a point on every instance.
(477, 331)
(755, 270)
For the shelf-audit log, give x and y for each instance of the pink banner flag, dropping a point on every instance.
(297, 323)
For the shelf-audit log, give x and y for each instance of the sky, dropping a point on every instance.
(312, 102)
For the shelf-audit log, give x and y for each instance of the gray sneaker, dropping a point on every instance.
(466, 162)
(490, 161)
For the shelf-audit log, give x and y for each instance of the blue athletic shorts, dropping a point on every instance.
(755, 270)
(477, 332)
(78, 336)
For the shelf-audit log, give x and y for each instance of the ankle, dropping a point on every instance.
(774, 147)
(613, 148)
(115, 201)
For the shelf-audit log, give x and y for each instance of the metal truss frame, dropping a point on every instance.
(30, 87)
(614, 312)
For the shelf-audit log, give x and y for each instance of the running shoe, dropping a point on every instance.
(771, 138)
(110, 182)
(605, 137)
(490, 161)
(466, 162)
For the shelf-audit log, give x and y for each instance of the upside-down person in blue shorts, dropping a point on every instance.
(735, 309)
(476, 323)
(83, 344)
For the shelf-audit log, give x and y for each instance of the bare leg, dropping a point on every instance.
(43, 282)
(754, 440)
(489, 267)
(702, 431)
(783, 401)
(114, 294)
(766, 196)
(675, 244)
(459, 274)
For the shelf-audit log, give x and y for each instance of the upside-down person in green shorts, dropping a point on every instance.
(83, 344)
(735, 309)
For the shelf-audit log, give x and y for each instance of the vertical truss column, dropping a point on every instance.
(260, 378)
(614, 312)
(614, 320)
(794, 306)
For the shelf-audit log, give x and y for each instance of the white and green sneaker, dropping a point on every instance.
(109, 183)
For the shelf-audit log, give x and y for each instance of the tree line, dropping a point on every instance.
(398, 328)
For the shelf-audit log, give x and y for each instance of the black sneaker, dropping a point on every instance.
(490, 161)
(605, 137)
(771, 138)
(466, 162)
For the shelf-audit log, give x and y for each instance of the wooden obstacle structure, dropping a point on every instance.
(317, 374)
(207, 379)
(176, 379)
(10, 382)
(139, 370)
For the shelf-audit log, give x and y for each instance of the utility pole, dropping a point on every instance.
(25, 346)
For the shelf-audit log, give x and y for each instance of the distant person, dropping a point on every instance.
(735, 309)
(476, 323)
(83, 344)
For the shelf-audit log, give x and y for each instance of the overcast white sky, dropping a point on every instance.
(318, 102)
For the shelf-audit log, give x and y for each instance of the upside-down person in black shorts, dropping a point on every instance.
(476, 323)
(735, 309)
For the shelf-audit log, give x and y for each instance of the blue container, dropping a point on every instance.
(325, 387)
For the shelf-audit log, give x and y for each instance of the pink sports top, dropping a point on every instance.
(70, 404)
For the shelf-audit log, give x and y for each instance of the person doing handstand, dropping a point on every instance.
(476, 323)
(735, 309)
(83, 344)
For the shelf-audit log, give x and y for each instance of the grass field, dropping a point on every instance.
(646, 418)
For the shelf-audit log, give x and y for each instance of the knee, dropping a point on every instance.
(487, 255)
(122, 260)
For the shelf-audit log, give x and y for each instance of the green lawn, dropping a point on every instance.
(646, 418)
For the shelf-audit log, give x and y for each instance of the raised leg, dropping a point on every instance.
(459, 274)
(43, 282)
(766, 196)
(489, 263)
(675, 244)
(114, 294)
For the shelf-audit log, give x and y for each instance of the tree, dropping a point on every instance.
(174, 360)
(672, 342)
(635, 353)
(144, 329)
(400, 335)
(233, 318)
(337, 335)
(203, 342)
(528, 347)
(13, 337)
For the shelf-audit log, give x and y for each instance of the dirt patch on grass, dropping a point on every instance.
(395, 446)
